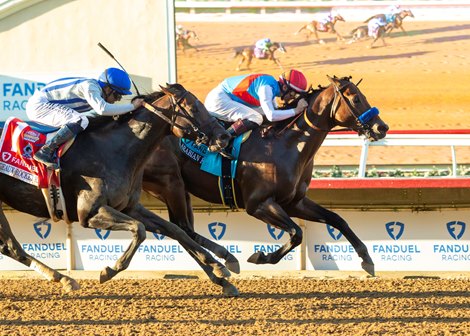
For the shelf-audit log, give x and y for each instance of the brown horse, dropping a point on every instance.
(102, 181)
(394, 21)
(371, 30)
(314, 27)
(182, 40)
(273, 172)
(247, 55)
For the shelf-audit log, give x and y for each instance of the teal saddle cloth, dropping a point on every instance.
(211, 162)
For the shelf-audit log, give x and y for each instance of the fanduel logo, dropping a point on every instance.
(335, 234)
(395, 229)
(42, 229)
(6, 156)
(456, 229)
(275, 233)
(158, 236)
(217, 230)
(100, 234)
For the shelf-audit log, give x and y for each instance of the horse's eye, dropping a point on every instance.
(356, 100)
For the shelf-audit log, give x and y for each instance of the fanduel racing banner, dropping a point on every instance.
(15, 90)
(397, 241)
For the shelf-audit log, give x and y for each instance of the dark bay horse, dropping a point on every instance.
(247, 55)
(375, 31)
(273, 173)
(313, 27)
(394, 21)
(102, 181)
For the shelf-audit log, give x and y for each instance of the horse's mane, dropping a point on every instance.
(312, 93)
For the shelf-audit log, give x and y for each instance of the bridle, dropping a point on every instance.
(361, 118)
(179, 110)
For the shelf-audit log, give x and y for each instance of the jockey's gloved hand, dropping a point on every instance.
(301, 106)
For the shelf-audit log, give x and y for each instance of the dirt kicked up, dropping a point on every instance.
(307, 306)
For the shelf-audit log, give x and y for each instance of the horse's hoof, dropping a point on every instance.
(230, 291)
(107, 274)
(321, 42)
(69, 284)
(222, 272)
(233, 265)
(369, 268)
(257, 258)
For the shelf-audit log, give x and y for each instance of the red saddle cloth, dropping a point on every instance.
(18, 144)
(322, 27)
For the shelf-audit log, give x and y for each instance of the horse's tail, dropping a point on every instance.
(352, 32)
(372, 17)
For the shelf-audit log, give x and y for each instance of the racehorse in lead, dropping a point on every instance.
(101, 178)
(393, 21)
(273, 172)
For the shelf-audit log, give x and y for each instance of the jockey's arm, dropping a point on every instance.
(266, 98)
(92, 95)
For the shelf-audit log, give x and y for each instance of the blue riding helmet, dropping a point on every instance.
(116, 79)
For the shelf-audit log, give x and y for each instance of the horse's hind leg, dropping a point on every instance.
(271, 213)
(12, 248)
(214, 269)
(309, 210)
(107, 218)
(180, 212)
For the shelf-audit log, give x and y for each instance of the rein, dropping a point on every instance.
(361, 120)
(172, 122)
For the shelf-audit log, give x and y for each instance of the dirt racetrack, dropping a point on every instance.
(276, 306)
(418, 81)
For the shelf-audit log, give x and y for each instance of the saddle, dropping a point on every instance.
(18, 143)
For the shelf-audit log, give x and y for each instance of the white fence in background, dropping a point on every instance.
(436, 139)
(423, 10)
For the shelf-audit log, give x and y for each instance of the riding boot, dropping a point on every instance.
(241, 126)
(45, 155)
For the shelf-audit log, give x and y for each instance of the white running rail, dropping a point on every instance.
(396, 139)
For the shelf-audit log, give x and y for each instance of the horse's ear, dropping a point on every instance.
(164, 89)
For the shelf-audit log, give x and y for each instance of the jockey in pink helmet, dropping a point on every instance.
(248, 100)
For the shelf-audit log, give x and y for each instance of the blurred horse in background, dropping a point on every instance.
(247, 54)
(182, 40)
(393, 21)
(327, 26)
(376, 29)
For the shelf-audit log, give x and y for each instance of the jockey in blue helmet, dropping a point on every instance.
(61, 103)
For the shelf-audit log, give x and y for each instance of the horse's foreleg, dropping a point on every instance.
(309, 210)
(214, 269)
(271, 213)
(10, 247)
(240, 63)
(108, 218)
(339, 37)
(318, 38)
(278, 62)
